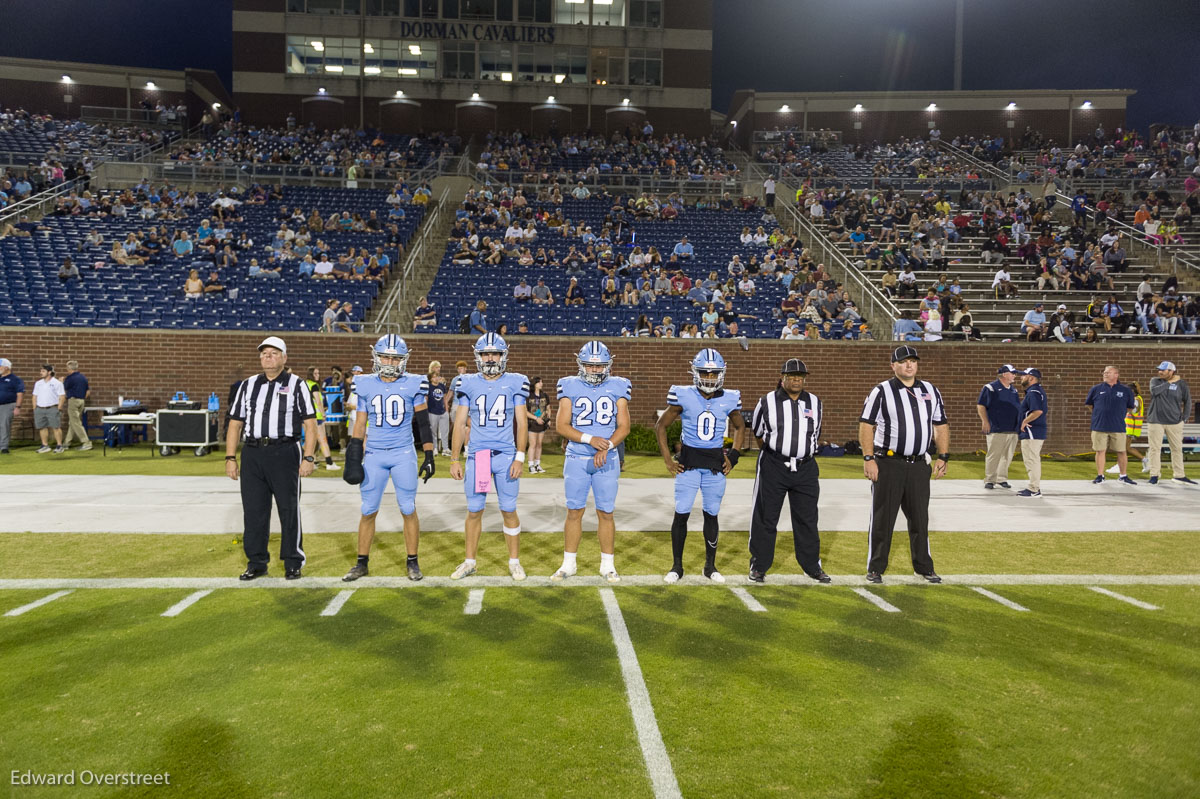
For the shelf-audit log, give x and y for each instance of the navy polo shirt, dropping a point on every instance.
(1035, 400)
(76, 385)
(10, 387)
(1003, 407)
(1109, 406)
(437, 397)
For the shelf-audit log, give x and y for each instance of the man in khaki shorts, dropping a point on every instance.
(1169, 407)
(1109, 401)
(49, 398)
(1033, 430)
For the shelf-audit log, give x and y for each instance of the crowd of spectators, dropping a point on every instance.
(50, 139)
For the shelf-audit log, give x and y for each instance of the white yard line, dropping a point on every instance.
(474, 602)
(878, 602)
(636, 580)
(1137, 603)
(185, 603)
(662, 776)
(748, 600)
(1008, 603)
(43, 601)
(336, 603)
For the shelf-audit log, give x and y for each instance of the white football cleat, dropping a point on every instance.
(562, 574)
(332, 466)
(464, 569)
(671, 577)
(611, 576)
(517, 571)
(716, 576)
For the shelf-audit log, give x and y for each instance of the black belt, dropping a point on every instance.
(792, 463)
(269, 442)
(905, 458)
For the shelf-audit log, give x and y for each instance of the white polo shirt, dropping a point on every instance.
(47, 392)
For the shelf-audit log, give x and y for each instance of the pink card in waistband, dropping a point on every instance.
(483, 471)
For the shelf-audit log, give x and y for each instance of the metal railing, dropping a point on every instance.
(1129, 230)
(880, 308)
(656, 184)
(36, 202)
(293, 174)
(168, 118)
(994, 172)
(417, 251)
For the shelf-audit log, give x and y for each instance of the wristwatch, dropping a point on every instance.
(868, 457)
(943, 456)
(310, 459)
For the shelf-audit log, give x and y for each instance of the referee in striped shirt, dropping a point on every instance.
(787, 424)
(901, 419)
(271, 408)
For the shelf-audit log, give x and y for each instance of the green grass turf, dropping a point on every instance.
(252, 693)
(29, 555)
(139, 460)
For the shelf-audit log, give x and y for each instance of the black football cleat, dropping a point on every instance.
(821, 577)
(932, 577)
(757, 576)
(292, 574)
(252, 573)
(414, 571)
(875, 577)
(356, 571)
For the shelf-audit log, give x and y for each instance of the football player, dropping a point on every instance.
(494, 401)
(707, 410)
(389, 402)
(593, 416)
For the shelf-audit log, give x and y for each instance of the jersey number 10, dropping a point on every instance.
(390, 410)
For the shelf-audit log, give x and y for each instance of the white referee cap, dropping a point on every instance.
(273, 341)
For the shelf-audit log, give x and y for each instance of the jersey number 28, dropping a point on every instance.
(604, 407)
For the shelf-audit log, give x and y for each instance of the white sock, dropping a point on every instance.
(514, 561)
(470, 561)
(606, 563)
(569, 561)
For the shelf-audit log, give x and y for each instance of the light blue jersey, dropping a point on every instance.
(705, 417)
(493, 405)
(593, 408)
(389, 408)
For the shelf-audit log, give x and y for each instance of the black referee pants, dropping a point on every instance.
(901, 486)
(773, 481)
(271, 472)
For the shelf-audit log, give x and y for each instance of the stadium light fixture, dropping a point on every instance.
(368, 47)
(602, 2)
(370, 70)
(320, 90)
(932, 107)
(559, 78)
(550, 99)
(318, 45)
(506, 77)
(733, 122)
(1010, 107)
(625, 101)
(66, 78)
(475, 95)
(151, 85)
(216, 106)
(334, 68)
(858, 107)
(785, 108)
(399, 93)
(415, 49)
(1087, 105)
(409, 71)
(575, 2)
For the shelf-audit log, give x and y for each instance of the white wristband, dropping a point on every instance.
(585, 439)
(520, 457)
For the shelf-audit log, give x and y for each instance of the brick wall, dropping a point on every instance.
(151, 366)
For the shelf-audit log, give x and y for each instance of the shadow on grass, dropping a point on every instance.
(924, 760)
(203, 759)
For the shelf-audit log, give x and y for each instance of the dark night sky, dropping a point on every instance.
(769, 45)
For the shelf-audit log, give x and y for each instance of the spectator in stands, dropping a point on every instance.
(933, 327)
(907, 281)
(1002, 285)
(697, 296)
(906, 328)
(1034, 326)
(329, 316)
(182, 246)
(890, 283)
(522, 292)
(1167, 312)
(341, 323)
(193, 287)
(609, 295)
(425, 315)
(213, 284)
(68, 271)
(479, 322)
(542, 294)
(1114, 315)
(681, 284)
(746, 287)
(683, 249)
(575, 295)
(646, 296)
(1145, 311)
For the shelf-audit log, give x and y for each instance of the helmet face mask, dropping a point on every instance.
(395, 350)
(490, 343)
(591, 356)
(708, 371)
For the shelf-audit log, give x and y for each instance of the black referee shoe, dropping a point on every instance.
(931, 577)
(252, 573)
(875, 577)
(757, 576)
(292, 574)
(821, 576)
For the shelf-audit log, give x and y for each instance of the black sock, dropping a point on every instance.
(329, 460)
(362, 560)
(412, 559)
(711, 530)
(678, 537)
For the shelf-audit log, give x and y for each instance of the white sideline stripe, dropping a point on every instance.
(748, 600)
(878, 602)
(336, 603)
(43, 601)
(1137, 603)
(635, 580)
(474, 602)
(1008, 603)
(662, 776)
(185, 603)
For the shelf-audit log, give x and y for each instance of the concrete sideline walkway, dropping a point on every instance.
(212, 505)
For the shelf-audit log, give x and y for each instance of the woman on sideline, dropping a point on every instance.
(537, 410)
(314, 387)
(439, 421)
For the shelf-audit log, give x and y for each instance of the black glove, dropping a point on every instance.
(353, 472)
(427, 468)
(733, 455)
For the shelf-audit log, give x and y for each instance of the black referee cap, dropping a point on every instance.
(794, 366)
(900, 353)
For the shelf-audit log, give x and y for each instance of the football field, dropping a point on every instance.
(1059, 658)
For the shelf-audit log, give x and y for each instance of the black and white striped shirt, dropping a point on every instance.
(789, 428)
(904, 416)
(273, 408)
